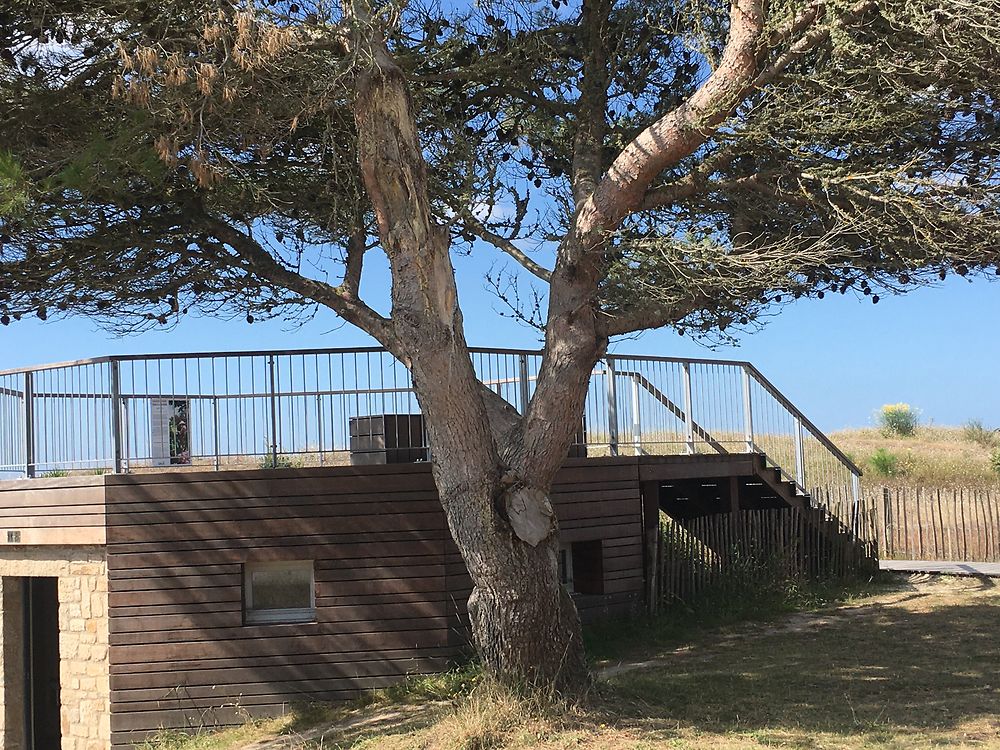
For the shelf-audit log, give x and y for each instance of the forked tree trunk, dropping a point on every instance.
(493, 479)
(524, 624)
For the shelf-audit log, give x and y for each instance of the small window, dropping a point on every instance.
(587, 561)
(279, 592)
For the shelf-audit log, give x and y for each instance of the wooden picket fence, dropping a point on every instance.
(753, 548)
(921, 523)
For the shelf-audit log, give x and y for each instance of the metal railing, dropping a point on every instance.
(304, 407)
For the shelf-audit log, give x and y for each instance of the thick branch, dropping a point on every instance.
(678, 134)
(357, 246)
(591, 126)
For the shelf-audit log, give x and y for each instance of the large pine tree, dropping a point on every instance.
(683, 163)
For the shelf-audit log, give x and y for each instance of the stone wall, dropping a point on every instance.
(11, 664)
(83, 642)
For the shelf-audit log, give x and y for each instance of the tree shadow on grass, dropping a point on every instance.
(892, 667)
(331, 727)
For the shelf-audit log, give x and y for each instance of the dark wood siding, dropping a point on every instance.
(390, 585)
(600, 499)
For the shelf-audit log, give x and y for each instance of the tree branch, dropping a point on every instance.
(591, 125)
(507, 246)
(693, 183)
(679, 133)
(342, 300)
(357, 246)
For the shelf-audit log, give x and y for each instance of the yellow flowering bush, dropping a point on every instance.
(898, 419)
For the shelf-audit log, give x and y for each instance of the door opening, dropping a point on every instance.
(42, 729)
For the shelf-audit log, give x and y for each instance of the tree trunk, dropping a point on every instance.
(525, 625)
(524, 621)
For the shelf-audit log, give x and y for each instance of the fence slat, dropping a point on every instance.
(750, 547)
(960, 524)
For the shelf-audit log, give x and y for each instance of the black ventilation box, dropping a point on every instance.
(388, 439)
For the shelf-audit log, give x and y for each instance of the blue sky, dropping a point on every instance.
(838, 359)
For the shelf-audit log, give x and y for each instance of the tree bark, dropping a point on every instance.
(494, 481)
(525, 625)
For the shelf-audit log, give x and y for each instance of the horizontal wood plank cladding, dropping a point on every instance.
(390, 584)
(380, 636)
(342, 616)
(261, 677)
(50, 511)
(665, 468)
(257, 688)
(367, 528)
(245, 670)
(268, 550)
(208, 594)
(267, 508)
(177, 544)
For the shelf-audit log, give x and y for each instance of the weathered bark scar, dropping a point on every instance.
(530, 514)
(444, 290)
(391, 163)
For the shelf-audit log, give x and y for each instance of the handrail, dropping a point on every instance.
(108, 358)
(673, 408)
(120, 412)
(806, 422)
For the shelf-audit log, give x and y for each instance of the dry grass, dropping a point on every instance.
(934, 456)
(917, 666)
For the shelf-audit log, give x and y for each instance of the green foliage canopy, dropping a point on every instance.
(161, 158)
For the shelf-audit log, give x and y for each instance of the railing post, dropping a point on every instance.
(747, 412)
(800, 456)
(29, 425)
(116, 416)
(319, 425)
(612, 408)
(215, 437)
(125, 434)
(856, 499)
(688, 408)
(636, 418)
(274, 411)
(522, 366)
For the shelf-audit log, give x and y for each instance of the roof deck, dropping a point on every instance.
(328, 407)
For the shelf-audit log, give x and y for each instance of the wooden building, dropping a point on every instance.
(181, 557)
(166, 594)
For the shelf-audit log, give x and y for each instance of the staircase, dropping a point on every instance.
(729, 482)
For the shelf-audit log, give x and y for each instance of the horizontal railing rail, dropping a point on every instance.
(318, 406)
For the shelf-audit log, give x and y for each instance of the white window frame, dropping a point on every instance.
(290, 615)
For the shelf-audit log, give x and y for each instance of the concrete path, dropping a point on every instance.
(940, 566)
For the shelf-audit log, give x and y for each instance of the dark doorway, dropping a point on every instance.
(41, 662)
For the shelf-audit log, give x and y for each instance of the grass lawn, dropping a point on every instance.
(913, 666)
(912, 669)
